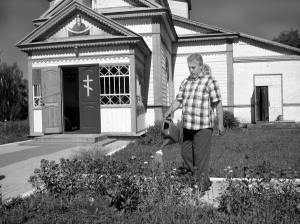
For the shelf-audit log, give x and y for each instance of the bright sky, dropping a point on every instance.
(261, 18)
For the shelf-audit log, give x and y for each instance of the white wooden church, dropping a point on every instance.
(113, 66)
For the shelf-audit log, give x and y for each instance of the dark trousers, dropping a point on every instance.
(196, 150)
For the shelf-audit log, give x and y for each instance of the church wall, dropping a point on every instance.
(187, 29)
(217, 63)
(149, 70)
(247, 48)
(167, 82)
(244, 87)
(179, 8)
(139, 25)
(199, 47)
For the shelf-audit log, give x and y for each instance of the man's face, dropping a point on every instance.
(195, 68)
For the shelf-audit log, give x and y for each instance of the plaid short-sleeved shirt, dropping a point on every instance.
(197, 96)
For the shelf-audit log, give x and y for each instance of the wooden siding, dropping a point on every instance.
(141, 118)
(140, 25)
(248, 48)
(149, 71)
(181, 31)
(179, 8)
(111, 4)
(115, 119)
(150, 117)
(199, 47)
(37, 121)
(167, 86)
(218, 65)
(186, 29)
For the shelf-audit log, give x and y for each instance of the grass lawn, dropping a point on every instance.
(13, 131)
(128, 187)
(262, 150)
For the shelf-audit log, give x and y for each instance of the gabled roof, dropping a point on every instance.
(269, 42)
(37, 39)
(201, 25)
(221, 33)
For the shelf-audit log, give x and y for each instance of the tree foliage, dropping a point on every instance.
(290, 37)
(13, 93)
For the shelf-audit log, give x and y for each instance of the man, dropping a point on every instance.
(199, 95)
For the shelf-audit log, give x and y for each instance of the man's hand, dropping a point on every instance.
(221, 129)
(175, 105)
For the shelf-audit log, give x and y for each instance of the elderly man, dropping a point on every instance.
(198, 94)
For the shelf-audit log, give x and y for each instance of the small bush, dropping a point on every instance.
(153, 135)
(229, 120)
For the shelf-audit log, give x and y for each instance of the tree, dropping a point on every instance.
(291, 38)
(13, 93)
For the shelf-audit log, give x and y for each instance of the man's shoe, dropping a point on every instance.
(182, 170)
(203, 187)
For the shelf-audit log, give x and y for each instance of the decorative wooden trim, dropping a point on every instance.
(90, 57)
(133, 94)
(266, 58)
(201, 37)
(203, 53)
(230, 73)
(83, 59)
(74, 43)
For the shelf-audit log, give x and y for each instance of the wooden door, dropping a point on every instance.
(275, 102)
(262, 103)
(51, 96)
(89, 100)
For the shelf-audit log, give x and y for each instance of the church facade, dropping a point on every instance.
(114, 66)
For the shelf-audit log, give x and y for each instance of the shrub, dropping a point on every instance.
(229, 120)
(153, 135)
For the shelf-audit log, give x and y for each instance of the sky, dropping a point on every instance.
(260, 18)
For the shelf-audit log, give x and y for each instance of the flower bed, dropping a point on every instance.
(130, 187)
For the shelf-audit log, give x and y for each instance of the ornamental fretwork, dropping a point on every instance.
(114, 85)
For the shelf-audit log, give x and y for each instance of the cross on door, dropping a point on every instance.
(87, 86)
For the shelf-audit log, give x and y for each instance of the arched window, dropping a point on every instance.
(206, 69)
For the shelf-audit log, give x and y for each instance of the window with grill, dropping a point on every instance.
(114, 85)
(37, 96)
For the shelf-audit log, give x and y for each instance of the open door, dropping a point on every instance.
(89, 99)
(51, 95)
(262, 103)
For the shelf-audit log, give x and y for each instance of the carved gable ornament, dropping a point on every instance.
(76, 21)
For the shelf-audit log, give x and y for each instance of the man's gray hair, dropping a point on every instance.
(195, 57)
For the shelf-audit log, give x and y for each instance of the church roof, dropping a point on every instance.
(221, 34)
(39, 38)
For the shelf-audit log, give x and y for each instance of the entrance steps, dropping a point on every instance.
(71, 140)
(275, 125)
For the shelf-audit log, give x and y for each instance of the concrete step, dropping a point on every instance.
(67, 139)
(276, 125)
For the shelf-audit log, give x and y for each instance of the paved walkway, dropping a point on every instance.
(17, 163)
